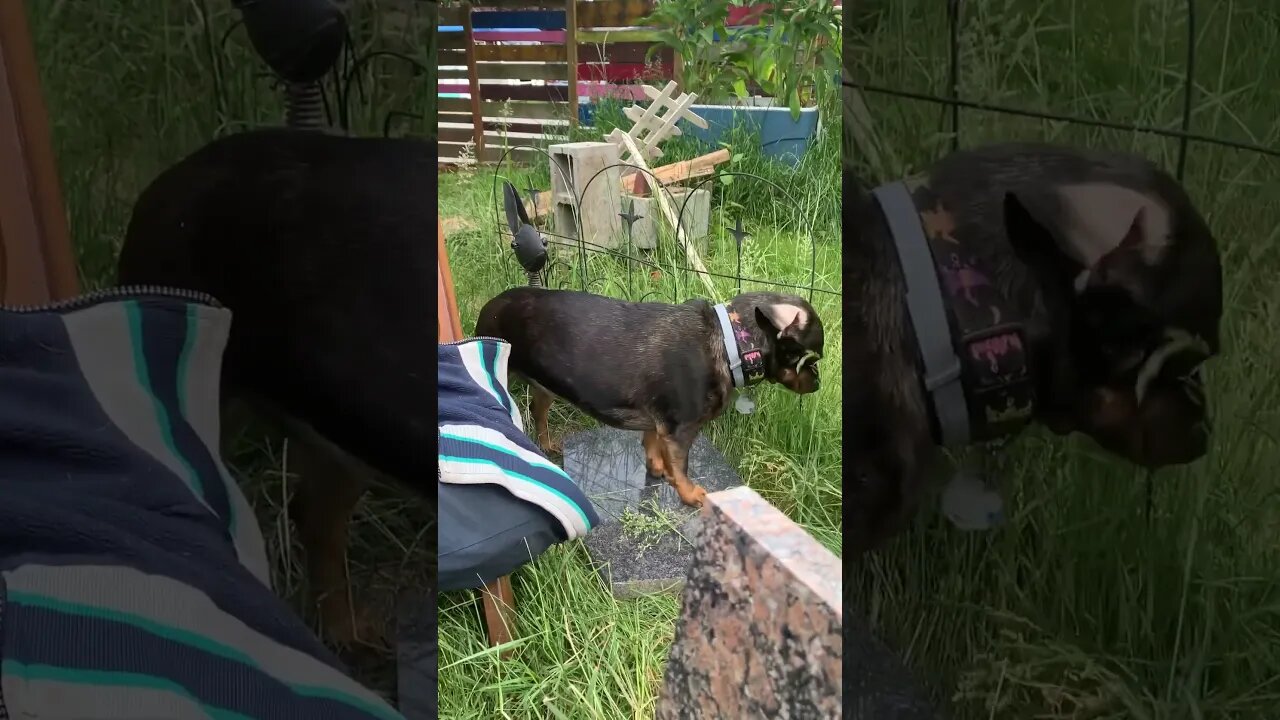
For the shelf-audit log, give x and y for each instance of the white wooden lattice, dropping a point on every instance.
(650, 127)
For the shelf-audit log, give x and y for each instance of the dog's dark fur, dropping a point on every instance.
(319, 246)
(653, 367)
(1039, 216)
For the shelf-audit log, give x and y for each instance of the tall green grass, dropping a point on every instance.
(1081, 607)
(580, 653)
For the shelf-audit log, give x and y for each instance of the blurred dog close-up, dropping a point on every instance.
(314, 242)
(1017, 283)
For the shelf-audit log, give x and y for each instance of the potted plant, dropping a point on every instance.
(767, 75)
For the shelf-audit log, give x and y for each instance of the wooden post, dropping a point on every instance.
(473, 84)
(36, 261)
(571, 56)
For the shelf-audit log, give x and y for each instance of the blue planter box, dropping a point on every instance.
(781, 138)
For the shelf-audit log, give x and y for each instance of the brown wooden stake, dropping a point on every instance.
(499, 612)
(36, 261)
(571, 55)
(473, 80)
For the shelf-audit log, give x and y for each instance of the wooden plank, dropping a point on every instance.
(676, 172)
(519, 5)
(497, 138)
(620, 72)
(512, 110)
(554, 37)
(612, 13)
(522, 71)
(452, 73)
(531, 19)
(452, 40)
(556, 93)
(571, 57)
(453, 151)
(473, 84)
(454, 15)
(36, 260)
(617, 36)
(525, 53)
(523, 126)
(625, 52)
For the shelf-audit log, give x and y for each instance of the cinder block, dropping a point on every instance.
(576, 172)
(695, 217)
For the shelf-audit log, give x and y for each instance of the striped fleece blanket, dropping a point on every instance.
(133, 577)
(482, 438)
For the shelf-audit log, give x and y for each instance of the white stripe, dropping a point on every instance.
(471, 360)
(459, 473)
(494, 437)
(504, 355)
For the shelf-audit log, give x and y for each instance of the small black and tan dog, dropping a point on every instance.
(663, 369)
(1097, 264)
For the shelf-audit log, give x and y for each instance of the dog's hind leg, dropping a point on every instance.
(331, 483)
(676, 447)
(540, 402)
(654, 454)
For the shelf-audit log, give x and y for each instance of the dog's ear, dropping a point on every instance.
(516, 216)
(1037, 248)
(783, 320)
(1114, 234)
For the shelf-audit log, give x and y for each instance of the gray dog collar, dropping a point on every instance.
(730, 347)
(746, 361)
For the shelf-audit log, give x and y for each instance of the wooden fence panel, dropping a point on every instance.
(515, 71)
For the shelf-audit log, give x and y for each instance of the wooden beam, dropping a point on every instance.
(701, 166)
(473, 81)
(664, 203)
(612, 13)
(623, 52)
(37, 263)
(571, 56)
(515, 109)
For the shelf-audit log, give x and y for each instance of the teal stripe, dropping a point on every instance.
(546, 465)
(12, 668)
(162, 413)
(526, 478)
(184, 366)
(198, 642)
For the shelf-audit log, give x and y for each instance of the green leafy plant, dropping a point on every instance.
(690, 28)
(792, 53)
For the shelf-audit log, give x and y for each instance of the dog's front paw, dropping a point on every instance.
(695, 496)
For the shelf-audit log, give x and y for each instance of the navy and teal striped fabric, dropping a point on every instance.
(133, 578)
(482, 440)
(501, 502)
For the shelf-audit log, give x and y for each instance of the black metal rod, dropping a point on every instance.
(953, 22)
(1189, 89)
(1035, 114)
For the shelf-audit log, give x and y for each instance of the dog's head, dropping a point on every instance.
(791, 331)
(1133, 286)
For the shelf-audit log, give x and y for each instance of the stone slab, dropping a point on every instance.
(760, 627)
(642, 544)
(878, 684)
